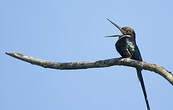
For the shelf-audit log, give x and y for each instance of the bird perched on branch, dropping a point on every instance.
(127, 48)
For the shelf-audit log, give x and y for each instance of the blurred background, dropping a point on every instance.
(74, 30)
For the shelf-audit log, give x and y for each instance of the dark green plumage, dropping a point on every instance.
(127, 48)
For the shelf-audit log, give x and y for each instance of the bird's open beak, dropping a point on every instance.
(116, 27)
(113, 36)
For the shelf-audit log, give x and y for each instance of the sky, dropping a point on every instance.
(74, 30)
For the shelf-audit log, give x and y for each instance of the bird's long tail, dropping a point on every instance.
(143, 87)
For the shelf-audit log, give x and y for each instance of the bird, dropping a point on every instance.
(127, 48)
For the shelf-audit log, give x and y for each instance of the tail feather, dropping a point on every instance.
(143, 87)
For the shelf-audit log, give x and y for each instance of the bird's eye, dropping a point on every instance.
(128, 31)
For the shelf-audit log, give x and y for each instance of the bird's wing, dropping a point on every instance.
(134, 50)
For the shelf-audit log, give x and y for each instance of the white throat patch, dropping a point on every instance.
(125, 36)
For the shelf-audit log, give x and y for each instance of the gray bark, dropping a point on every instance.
(95, 64)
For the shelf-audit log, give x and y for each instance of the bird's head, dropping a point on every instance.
(124, 30)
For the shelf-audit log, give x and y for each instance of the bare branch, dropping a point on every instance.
(95, 64)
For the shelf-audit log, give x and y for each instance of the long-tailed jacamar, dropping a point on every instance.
(127, 48)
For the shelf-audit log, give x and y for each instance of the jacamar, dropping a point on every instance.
(127, 48)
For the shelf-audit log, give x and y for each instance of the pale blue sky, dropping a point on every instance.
(64, 30)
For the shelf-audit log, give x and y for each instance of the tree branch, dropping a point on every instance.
(95, 64)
